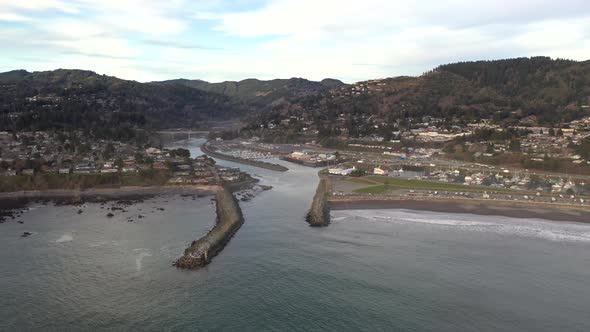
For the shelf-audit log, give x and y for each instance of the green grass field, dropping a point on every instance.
(390, 184)
(361, 181)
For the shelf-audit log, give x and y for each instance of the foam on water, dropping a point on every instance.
(103, 243)
(65, 238)
(535, 228)
(142, 253)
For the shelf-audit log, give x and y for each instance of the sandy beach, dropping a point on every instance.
(555, 212)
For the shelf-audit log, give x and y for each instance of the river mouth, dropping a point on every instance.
(369, 270)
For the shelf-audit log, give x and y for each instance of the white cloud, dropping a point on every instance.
(12, 17)
(37, 5)
(345, 39)
(331, 37)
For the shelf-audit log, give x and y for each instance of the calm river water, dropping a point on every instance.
(385, 270)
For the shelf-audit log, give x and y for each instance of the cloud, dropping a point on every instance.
(12, 17)
(178, 44)
(331, 37)
(345, 39)
(98, 55)
(40, 5)
(293, 17)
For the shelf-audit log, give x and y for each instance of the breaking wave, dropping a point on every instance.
(65, 238)
(532, 228)
(142, 253)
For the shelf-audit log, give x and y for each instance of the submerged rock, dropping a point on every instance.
(110, 215)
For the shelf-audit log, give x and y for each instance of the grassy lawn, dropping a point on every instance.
(397, 183)
(376, 189)
(360, 181)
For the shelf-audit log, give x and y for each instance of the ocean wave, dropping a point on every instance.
(143, 253)
(531, 228)
(103, 243)
(65, 238)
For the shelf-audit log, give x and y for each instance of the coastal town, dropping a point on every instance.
(56, 160)
(483, 156)
(545, 160)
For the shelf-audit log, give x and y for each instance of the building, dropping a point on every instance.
(379, 171)
(341, 171)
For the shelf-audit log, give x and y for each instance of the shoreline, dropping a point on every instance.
(509, 209)
(261, 164)
(106, 193)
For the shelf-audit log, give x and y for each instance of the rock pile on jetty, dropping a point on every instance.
(319, 213)
(229, 220)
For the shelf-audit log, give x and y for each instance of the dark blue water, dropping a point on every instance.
(369, 271)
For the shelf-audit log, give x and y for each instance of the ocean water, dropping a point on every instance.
(379, 270)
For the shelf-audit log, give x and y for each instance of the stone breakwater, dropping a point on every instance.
(319, 213)
(256, 163)
(229, 220)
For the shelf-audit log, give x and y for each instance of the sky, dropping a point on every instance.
(217, 40)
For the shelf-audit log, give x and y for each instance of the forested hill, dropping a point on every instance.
(263, 93)
(525, 91)
(541, 79)
(83, 99)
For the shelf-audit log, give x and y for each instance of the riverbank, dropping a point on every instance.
(256, 163)
(229, 220)
(554, 212)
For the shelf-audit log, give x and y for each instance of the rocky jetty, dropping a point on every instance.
(229, 220)
(319, 213)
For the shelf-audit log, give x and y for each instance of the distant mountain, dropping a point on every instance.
(263, 93)
(531, 91)
(536, 90)
(83, 99)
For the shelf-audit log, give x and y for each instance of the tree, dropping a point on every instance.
(514, 145)
(84, 148)
(490, 148)
(584, 148)
(358, 173)
(180, 152)
(139, 157)
(108, 151)
(119, 163)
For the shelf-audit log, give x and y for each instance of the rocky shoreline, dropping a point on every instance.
(99, 194)
(229, 220)
(261, 164)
